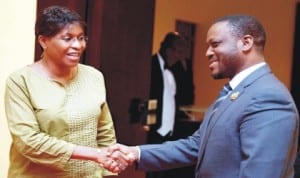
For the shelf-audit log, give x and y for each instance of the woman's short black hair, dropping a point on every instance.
(54, 18)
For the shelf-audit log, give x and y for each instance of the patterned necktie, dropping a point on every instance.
(222, 95)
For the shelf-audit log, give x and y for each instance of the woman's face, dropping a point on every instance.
(65, 48)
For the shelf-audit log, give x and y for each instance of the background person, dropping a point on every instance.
(183, 74)
(163, 89)
(182, 70)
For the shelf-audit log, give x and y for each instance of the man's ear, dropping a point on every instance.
(246, 43)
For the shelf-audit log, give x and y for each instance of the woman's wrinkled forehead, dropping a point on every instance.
(53, 19)
(73, 29)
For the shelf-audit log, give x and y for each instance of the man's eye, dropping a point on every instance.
(215, 44)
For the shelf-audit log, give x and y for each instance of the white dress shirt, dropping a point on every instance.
(237, 79)
(168, 101)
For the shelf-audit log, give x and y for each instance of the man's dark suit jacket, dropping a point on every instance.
(156, 92)
(184, 82)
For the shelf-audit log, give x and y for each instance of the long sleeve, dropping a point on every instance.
(106, 132)
(268, 135)
(47, 120)
(27, 136)
(171, 154)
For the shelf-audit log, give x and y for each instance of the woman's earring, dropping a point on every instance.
(42, 55)
(43, 52)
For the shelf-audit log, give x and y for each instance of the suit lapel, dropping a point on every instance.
(210, 120)
(234, 95)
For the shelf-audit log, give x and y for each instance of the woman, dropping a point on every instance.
(56, 108)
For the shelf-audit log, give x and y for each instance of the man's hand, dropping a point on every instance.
(128, 154)
(109, 163)
(117, 158)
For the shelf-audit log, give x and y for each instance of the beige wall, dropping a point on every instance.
(16, 50)
(276, 16)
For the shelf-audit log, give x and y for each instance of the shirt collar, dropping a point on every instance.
(237, 79)
(161, 61)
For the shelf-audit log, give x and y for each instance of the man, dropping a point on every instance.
(163, 89)
(182, 70)
(183, 73)
(253, 132)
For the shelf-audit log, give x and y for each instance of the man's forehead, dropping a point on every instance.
(217, 30)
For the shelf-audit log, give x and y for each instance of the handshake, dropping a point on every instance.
(118, 157)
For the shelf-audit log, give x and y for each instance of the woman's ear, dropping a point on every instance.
(246, 43)
(42, 41)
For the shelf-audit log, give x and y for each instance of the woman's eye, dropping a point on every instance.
(67, 38)
(81, 38)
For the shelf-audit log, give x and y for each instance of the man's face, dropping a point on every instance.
(176, 53)
(222, 52)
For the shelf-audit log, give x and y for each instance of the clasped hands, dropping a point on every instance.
(118, 157)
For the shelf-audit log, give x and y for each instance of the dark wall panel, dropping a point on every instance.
(125, 58)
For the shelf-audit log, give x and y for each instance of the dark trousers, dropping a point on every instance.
(155, 138)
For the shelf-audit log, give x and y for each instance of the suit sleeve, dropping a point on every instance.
(156, 89)
(268, 135)
(171, 154)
